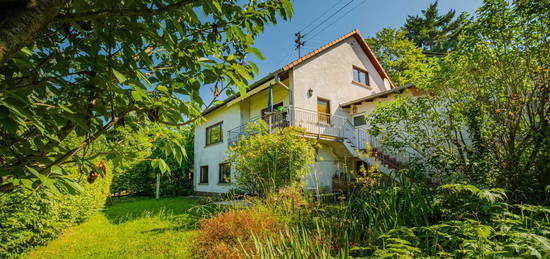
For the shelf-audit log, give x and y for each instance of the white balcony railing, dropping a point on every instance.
(327, 125)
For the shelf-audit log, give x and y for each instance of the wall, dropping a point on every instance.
(232, 116)
(330, 75)
(259, 100)
(366, 108)
(214, 154)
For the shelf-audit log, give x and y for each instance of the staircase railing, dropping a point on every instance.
(324, 124)
(372, 146)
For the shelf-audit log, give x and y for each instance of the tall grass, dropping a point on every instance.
(295, 243)
(409, 220)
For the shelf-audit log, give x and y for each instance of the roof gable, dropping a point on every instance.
(284, 70)
(366, 49)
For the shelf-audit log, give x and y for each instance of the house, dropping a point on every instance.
(327, 92)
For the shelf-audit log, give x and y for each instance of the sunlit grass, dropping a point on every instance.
(129, 228)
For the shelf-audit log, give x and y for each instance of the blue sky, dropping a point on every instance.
(369, 16)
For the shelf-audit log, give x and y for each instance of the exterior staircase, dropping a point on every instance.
(333, 128)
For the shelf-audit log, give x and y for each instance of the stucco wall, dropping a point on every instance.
(259, 100)
(330, 76)
(213, 155)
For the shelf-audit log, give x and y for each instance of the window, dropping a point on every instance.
(204, 174)
(225, 173)
(360, 76)
(359, 120)
(214, 134)
(323, 108)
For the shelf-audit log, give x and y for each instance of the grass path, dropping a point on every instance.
(129, 228)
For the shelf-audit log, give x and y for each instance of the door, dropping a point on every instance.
(323, 109)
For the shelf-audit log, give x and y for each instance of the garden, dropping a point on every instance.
(98, 113)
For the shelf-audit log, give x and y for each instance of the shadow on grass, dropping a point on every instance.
(182, 213)
(127, 209)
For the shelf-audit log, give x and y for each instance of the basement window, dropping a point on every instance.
(225, 173)
(204, 174)
(359, 120)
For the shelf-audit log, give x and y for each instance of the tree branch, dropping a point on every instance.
(19, 29)
(123, 12)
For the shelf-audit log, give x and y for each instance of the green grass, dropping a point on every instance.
(129, 228)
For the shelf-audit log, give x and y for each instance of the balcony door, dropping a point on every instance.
(323, 109)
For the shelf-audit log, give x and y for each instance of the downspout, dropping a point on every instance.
(290, 99)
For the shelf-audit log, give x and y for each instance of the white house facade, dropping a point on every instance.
(327, 92)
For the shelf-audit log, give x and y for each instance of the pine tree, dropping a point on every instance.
(435, 34)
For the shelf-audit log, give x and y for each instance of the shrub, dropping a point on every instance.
(28, 220)
(265, 162)
(227, 234)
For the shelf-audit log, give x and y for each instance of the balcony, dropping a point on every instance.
(328, 127)
(320, 125)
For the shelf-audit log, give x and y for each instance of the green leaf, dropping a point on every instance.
(119, 76)
(256, 52)
(26, 51)
(163, 166)
(162, 88)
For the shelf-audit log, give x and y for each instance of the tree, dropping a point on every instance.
(487, 121)
(265, 162)
(139, 176)
(434, 33)
(85, 67)
(404, 62)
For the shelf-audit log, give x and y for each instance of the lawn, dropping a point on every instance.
(129, 228)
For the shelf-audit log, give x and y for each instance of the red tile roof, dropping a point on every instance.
(357, 35)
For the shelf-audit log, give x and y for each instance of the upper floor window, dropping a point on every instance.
(360, 76)
(204, 174)
(214, 134)
(225, 173)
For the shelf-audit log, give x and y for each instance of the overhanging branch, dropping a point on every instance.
(123, 12)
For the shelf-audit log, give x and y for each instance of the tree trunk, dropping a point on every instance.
(18, 29)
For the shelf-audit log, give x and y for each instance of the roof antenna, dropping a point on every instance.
(299, 42)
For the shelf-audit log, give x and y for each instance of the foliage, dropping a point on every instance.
(484, 126)
(224, 235)
(483, 228)
(133, 227)
(265, 162)
(292, 243)
(411, 220)
(29, 220)
(84, 67)
(404, 62)
(435, 33)
(140, 178)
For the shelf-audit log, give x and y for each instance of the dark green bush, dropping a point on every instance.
(28, 220)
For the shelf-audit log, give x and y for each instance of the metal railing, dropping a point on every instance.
(324, 124)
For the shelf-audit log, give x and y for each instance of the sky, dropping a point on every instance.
(368, 16)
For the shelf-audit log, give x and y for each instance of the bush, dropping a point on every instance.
(28, 220)
(266, 162)
(228, 234)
